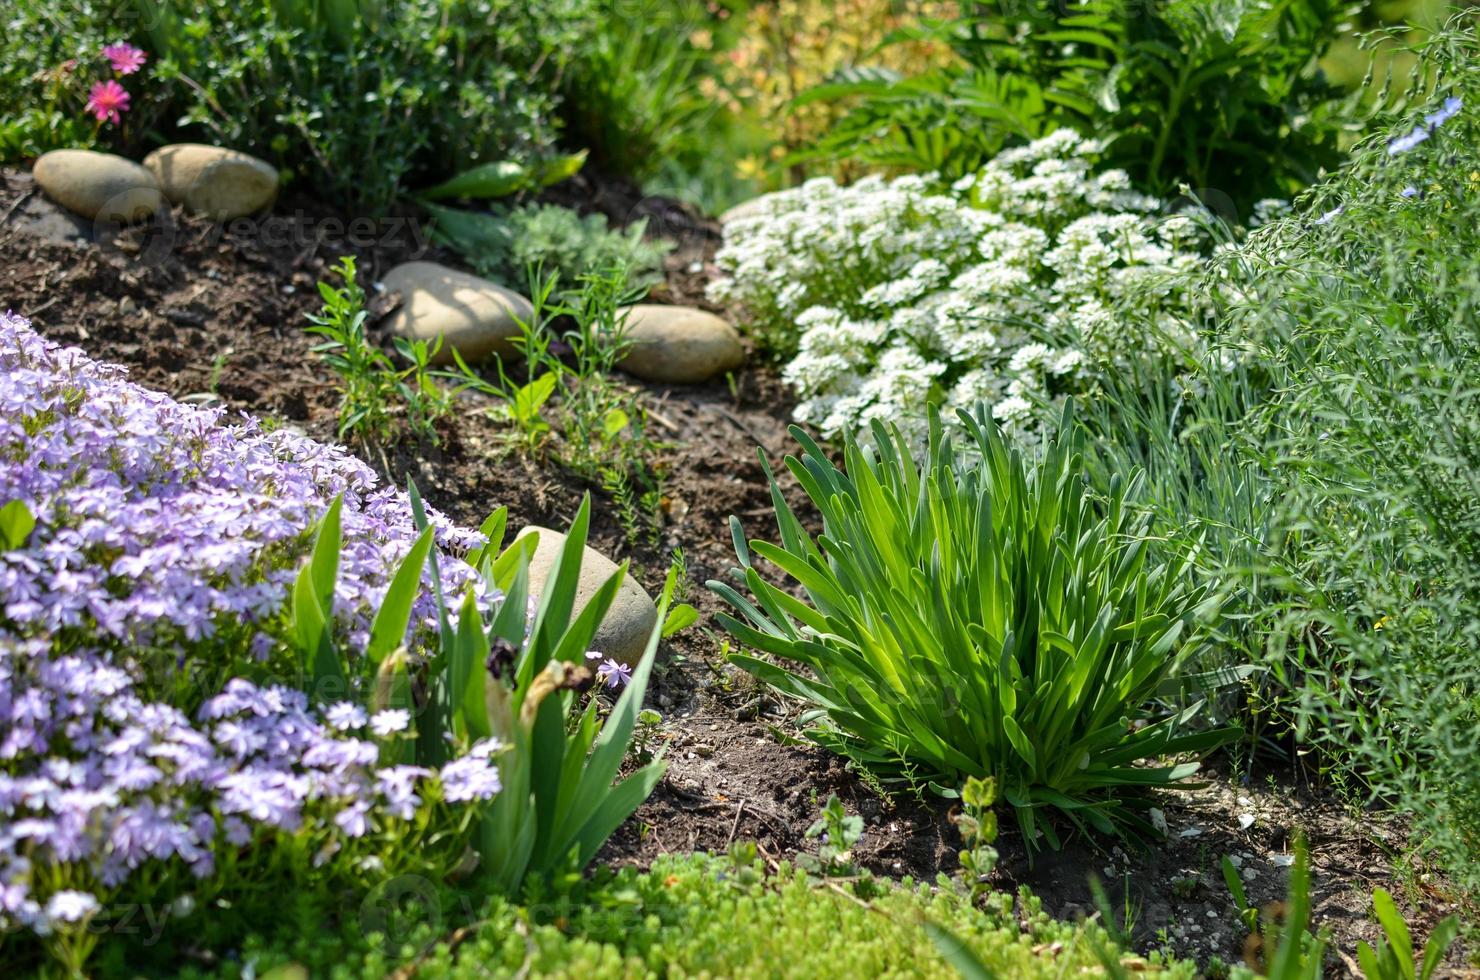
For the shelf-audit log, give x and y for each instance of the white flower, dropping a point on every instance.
(71, 906)
(390, 721)
(897, 295)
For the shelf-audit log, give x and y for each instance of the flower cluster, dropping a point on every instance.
(163, 533)
(108, 99)
(1009, 290)
(158, 524)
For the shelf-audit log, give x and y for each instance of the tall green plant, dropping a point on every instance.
(511, 680)
(979, 614)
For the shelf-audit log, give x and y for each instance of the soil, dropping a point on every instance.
(216, 315)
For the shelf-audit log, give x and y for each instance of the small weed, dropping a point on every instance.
(837, 831)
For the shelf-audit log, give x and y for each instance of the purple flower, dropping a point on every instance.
(613, 674)
(124, 58)
(166, 542)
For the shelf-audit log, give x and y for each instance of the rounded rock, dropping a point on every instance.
(679, 345)
(212, 180)
(471, 315)
(99, 186)
(624, 631)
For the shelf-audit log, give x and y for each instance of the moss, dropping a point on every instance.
(704, 916)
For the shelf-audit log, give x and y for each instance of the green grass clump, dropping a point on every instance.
(974, 612)
(705, 915)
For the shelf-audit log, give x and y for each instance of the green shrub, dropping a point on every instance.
(1372, 310)
(506, 243)
(50, 54)
(978, 614)
(1329, 451)
(1228, 97)
(365, 101)
(631, 95)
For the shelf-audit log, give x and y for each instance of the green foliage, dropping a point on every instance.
(507, 680)
(1354, 434)
(977, 824)
(698, 915)
(1394, 958)
(1225, 96)
(364, 100)
(505, 177)
(507, 242)
(50, 54)
(600, 422)
(374, 389)
(980, 614)
(836, 832)
(561, 798)
(630, 93)
(1288, 951)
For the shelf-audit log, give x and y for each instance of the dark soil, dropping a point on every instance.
(217, 315)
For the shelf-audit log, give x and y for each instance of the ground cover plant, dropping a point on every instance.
(179, 693)
(890, 296)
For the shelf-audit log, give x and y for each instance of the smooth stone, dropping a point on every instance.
(98, 186)
(623, 634)
(213, 180)
(474, 316)
(679, 344)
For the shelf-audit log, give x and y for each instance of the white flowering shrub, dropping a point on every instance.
(1011, 288)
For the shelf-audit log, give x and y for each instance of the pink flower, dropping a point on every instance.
(125, 58)
(107, 100)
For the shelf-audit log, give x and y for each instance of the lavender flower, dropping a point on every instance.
(613, 674)
(167, 538)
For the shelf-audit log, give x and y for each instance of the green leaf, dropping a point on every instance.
(614, 422)
(1396, 930)
(531, 397)
(682, 617)
(1440, 940)
(490, 180)
(556, 169)
(388, 629)
(16, 524)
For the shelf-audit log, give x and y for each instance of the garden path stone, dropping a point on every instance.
(679, 345)
(212, 180)
(472, 315)
(624, 633)
(98, 186)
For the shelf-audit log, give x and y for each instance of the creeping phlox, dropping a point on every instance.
(164, 546)
(1010, 289)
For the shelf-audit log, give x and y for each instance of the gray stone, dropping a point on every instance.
(98, 186)
(213, 180)
(624, 633)
(679, 345)
(474, 316)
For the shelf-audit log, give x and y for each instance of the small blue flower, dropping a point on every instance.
(1410, 191)
(1405, 143)
(1446, 112)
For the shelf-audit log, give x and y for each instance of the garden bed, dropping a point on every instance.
(217, 316)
